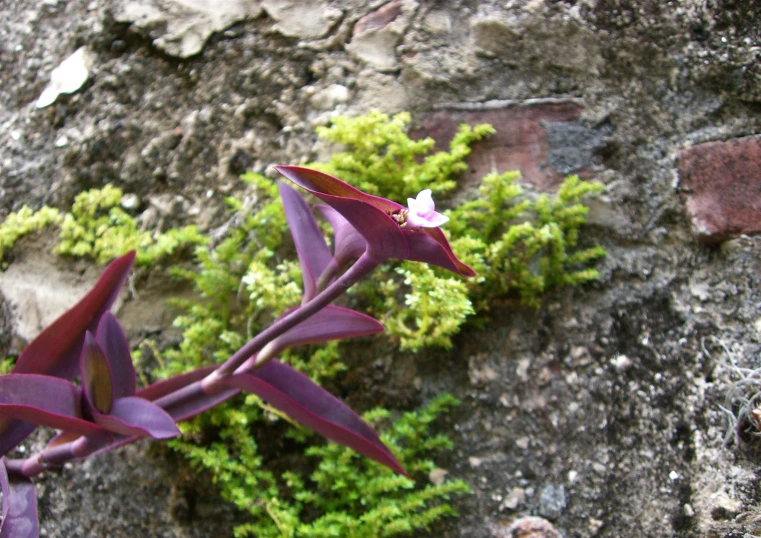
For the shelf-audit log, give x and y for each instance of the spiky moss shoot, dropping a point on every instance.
(25, 221)
(96, 227)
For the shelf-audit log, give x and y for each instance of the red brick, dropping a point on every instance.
(526, 527)
(380, 18)
(720, 184)
(520, 143)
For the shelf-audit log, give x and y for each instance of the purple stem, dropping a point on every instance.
(213, 383)
(56, 455)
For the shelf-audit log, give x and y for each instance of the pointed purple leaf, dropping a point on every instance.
(349, 244)
(203, 402)
(430, 245)
(46, 401)
(314, 254)
(161, 388)
(111, 339)
(135, 416)
(20, 519)
(182, 411)
(370, 215)
(57, 349)
(331, 323)
(307, 402)
(97, 380)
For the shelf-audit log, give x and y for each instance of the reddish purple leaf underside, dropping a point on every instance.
(45, 401)
(305, 401)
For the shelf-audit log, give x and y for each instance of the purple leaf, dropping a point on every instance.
(430, 245)
(135, 416)
(19, 512)
(307, 402)
(5, 488)
(111, 339)
(331, 323)
(349, 244)
(199, 404)
(314, 254)
(97, 380)
(57, 349)
(372, 218)
(46, 401)
(370, 215)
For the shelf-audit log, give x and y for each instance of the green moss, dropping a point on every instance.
(23, 222)
(6, 365)
(382, 159)
(346, 495)
(97, 228)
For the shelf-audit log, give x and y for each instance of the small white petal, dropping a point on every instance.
(422, 212)
(425, 202)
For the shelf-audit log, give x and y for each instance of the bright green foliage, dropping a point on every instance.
(382, 160)
(527, 257)
(350, 496)
(433, 311)
(98, 228)
(25, 221)
(6, 365)
(238, 281)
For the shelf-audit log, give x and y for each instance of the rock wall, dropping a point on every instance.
(600, 412)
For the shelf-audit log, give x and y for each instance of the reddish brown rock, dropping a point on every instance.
(524, 141)
(720, 184)
(527, 527)
(379, 18)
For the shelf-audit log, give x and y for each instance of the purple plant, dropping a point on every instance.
(106, 411)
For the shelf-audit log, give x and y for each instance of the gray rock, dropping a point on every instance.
(302, 19)
(181, 28)
(552, 501)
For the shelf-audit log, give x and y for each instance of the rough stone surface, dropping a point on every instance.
(181, 27)
(610, 393)
(721, 185)
(302, 19)
(38, 291)
(377, 34)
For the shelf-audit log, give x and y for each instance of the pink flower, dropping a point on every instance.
(422, 212)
